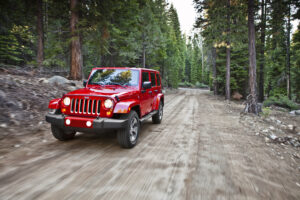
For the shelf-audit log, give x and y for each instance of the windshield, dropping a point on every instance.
(123, 77)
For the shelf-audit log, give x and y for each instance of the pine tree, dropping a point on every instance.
(76, 59)
(251, 105)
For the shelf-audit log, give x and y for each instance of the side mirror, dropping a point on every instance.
(147, 85)
(84, 83)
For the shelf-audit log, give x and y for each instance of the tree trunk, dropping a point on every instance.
(144, 51)
(202, 60)
(144, 57)
(214, 70)
(251, 105)
(76, 57)
(40, 33)
(262, 53)
(227, 88)
(288, 64)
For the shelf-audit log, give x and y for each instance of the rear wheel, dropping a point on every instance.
(128, 136)
(156, 119)
(62, 134)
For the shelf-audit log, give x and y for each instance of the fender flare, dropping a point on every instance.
(125, 106)
(159, 98)
(54, 104)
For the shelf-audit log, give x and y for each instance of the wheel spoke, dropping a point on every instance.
(133, 129)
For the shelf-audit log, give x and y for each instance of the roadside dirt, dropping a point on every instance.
(201, 150)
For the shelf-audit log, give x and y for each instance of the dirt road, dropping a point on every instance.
(200, 151)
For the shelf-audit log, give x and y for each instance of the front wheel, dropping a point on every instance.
(62, 134)
(156, 119)
(128, 136)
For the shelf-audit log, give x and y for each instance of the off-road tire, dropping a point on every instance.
(125, 135)
(157, 118)
(61, 134)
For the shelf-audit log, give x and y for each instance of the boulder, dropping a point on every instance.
(293, 112)
(58, 80)
(237, 96)
(297, 112)
(43, 80)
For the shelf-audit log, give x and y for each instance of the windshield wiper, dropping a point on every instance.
(114, 83)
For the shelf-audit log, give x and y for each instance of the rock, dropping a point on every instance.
(273, 137)
(267, 139)
(43, 80)
(44, 141)
(12, 104)
(295, 143)
(298, 184)
(257, 133)
(271, 128)
(292, 128)
(278, 121)
(297, 112)
(2, 96)
(237, 96)
(265, 131)
(293, 112)
(296, 155)
(283, 126)
(3, 125)
(58, 80)
(17, 145)
(298, 133)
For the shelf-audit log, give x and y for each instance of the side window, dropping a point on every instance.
(145, 77)
(153, 79)
(158, 79)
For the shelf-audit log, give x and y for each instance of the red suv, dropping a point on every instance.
(112, 98)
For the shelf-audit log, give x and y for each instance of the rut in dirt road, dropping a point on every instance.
(200, 151)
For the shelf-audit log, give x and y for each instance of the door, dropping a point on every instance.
(145, 95)
(154, 89)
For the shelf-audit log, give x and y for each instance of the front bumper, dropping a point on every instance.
(79, 123)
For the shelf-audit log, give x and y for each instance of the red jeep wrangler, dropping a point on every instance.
(113, 98)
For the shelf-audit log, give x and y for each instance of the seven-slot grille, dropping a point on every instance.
(85, 106)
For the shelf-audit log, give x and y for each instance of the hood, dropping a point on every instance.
(104, 91)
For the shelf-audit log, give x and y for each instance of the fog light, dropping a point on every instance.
(88, 123)
(68, 122)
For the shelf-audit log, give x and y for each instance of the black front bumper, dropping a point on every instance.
(98, 123)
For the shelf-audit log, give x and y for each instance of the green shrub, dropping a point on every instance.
(200, 85)
(281, 101)
(266, 112)
(185, 84)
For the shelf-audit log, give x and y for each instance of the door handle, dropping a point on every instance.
(150, 92)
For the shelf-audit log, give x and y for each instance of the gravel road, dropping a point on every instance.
(200, 151)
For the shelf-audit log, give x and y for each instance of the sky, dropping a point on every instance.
(186, 14)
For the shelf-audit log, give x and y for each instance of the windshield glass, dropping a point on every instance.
(123, 77)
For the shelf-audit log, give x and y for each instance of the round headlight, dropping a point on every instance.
(108, 103)
(68, 122)
(67, 101)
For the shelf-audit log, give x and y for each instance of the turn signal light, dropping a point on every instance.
(63, 110)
